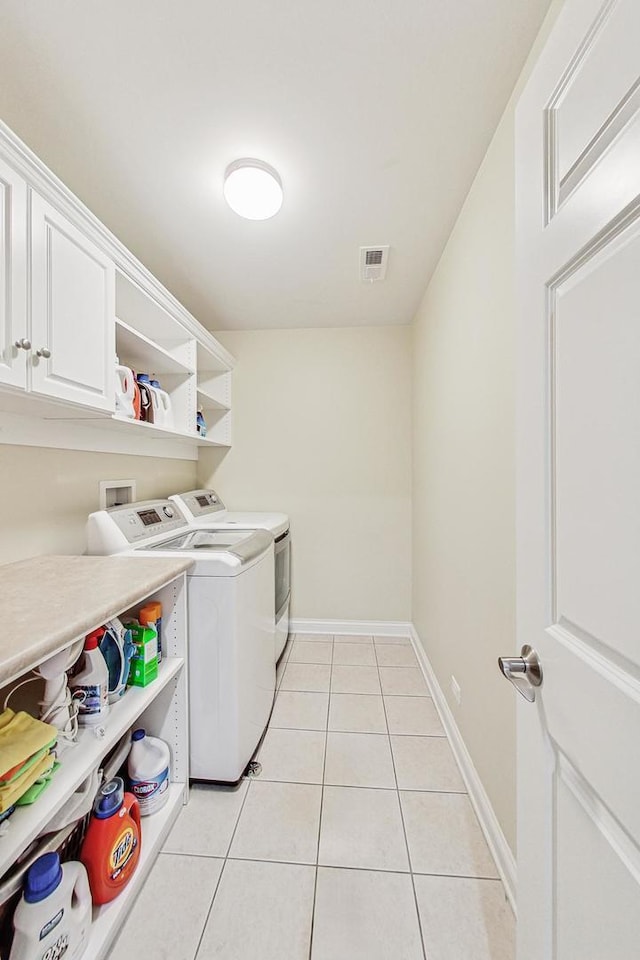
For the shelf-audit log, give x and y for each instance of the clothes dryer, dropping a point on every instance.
(230, 623)
(205, 509)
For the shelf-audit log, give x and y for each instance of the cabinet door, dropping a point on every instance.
(13, 277)
(73, 312)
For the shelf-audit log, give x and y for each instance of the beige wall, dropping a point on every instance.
(322, 432)
(464, 465)
(47, 494)
(463, 477)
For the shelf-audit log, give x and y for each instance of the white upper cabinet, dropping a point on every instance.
(72, 312)
(74, 303)
(13, 278)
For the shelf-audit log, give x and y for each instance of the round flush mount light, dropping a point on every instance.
(253, 189)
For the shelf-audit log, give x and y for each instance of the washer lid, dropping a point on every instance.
(239, 544)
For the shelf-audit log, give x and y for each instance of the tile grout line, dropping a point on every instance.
(341, 693)
(324, 764)
(224, 867)
(338, 866)
(235, 827)
(362, 733)
(359, 786)
(404, 827)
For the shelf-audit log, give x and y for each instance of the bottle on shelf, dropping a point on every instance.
(111, 848)
(151, 616)
(162, 409)
(146, 397)
(53, 916)
(144, 663)
(148, 771)
(90, 687)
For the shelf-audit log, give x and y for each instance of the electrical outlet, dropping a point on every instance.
(455, 689)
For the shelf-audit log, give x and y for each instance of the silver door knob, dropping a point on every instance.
(524, 672)
(23, 344)
(43, 352)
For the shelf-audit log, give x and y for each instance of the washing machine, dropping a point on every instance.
(230, 623)
(205, 509)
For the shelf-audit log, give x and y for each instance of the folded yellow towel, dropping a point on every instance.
(14, 790)
(21, 735)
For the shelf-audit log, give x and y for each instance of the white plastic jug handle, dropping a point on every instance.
(126, 379)
(81, 899)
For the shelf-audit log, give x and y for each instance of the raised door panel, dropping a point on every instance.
(593, 126)
(73, 313)
(13, 277)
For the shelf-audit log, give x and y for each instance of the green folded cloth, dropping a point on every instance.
(18, 771)
(36, 789)
(11, 792)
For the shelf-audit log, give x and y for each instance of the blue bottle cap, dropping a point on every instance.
(143, 378)
(109, 799)
(138, 734)
(42, 877)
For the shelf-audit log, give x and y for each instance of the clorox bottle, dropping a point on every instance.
(111, 848)
(53, 917)
(148, 769)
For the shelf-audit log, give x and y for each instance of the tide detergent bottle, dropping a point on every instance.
(111, 848)
(53, 916)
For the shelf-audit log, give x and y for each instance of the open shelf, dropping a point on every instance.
(78, 761)
(144, 355)
(108, 920)
(209, 402)
(141, 310)
(210, 442)
(210, 360)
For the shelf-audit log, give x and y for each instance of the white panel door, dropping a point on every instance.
(578, 230)
(14, 349)
(73, 312)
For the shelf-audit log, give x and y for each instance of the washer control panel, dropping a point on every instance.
(202, 503)
(144, 520)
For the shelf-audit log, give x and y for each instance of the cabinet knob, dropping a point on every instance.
(43, 352)
(23, 344)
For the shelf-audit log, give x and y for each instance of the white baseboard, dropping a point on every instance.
(500, 849)
(357, 628)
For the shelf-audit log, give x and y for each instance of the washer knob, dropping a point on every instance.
(168, 512)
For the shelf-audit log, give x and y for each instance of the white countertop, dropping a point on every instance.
(48, 602)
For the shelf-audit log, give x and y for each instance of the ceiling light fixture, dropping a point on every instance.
(252, 189)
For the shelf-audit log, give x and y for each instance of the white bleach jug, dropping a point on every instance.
(148, 771)
(53, 917)
(162, 409)
(125, 392)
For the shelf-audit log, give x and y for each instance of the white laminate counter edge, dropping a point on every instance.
(47, 603)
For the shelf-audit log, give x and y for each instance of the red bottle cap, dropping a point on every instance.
(93, 639)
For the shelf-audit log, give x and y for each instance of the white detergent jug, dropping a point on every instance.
(162, 409)
(125, 392)
(53, 917)
(148, 771)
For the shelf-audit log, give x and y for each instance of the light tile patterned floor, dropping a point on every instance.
(357, 841)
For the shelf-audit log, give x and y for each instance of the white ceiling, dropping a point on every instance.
(376, 115)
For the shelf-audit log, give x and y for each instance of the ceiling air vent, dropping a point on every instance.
(373, 263)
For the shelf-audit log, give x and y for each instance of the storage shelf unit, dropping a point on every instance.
(78, 761)
(162, 709)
